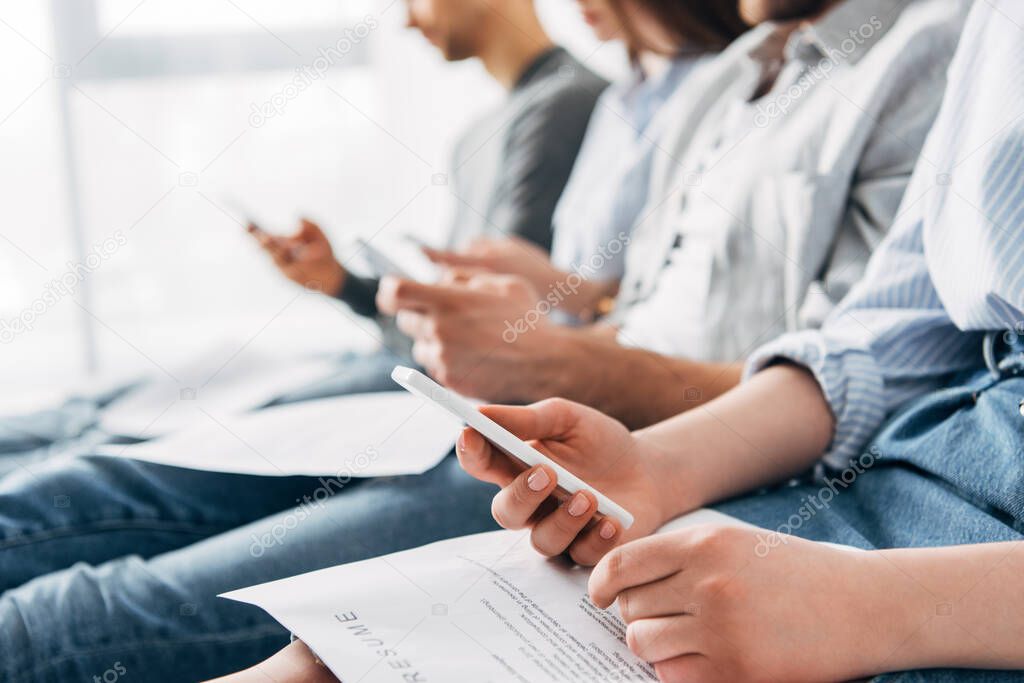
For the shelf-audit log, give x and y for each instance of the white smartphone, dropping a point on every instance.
(241, 213)
(381, 262)
(502, 439)
(408, 263)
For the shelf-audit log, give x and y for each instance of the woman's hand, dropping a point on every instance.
(594, 447)
(509, 255)
(569, 292)
(722, 604)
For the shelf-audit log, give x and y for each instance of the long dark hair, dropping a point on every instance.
(698, 25)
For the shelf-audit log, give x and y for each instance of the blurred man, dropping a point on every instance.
(509, 167)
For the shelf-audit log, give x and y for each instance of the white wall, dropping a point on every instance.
(186, 275)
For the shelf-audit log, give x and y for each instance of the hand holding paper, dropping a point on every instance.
(488, 608)
(597, 449)
(713, 603)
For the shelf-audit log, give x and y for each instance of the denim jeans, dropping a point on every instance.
(67, 428)
(948, 470)
(130, 563)
(155, 545)
(109, 564)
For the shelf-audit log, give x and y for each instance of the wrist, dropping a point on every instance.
(672, 485)
(923, 593)
(553, 356)
(334, 280)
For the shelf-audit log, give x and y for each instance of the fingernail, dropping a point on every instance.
(607, 530)
(578, 505)
(538, 481)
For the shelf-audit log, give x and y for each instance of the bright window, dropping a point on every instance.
(127, 123)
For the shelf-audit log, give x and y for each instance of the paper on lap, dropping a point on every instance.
(222, 382)
(363, 435)
(483, 608)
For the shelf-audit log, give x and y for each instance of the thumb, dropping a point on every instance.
(460, 276)
(310, 231)
(549, 419)
(453, 258)
(481, 461)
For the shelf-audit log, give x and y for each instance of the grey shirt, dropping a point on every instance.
(510, 166)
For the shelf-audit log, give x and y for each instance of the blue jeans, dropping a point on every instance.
(70, 427)
(129, 563)
(948, 470)
(109, 564)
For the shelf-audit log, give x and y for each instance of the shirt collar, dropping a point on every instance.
(538, 65)
(846, 32)
(657, 87)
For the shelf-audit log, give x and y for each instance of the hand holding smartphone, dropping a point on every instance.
(506, 442)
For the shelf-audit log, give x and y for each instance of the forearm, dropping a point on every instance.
(773, 427)
(637, 387)
(963, 605)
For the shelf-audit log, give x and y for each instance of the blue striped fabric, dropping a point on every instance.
(952, 267)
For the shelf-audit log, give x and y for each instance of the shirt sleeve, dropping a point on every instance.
(887, 342)
(918, 316)
(360, 293)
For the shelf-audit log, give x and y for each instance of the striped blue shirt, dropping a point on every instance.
(952, 266)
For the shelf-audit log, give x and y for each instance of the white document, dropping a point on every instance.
(217, 384)
(362, 435)
(478, 608)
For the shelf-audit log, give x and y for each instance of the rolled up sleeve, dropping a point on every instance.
(849, 378)
(888, 342)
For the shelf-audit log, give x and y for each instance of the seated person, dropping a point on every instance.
(912, 390)
(508, 168)
(161, 509)
(618, 152)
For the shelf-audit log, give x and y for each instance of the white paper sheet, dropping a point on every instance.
(363, 435)
(478, 608)
(222, 382)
